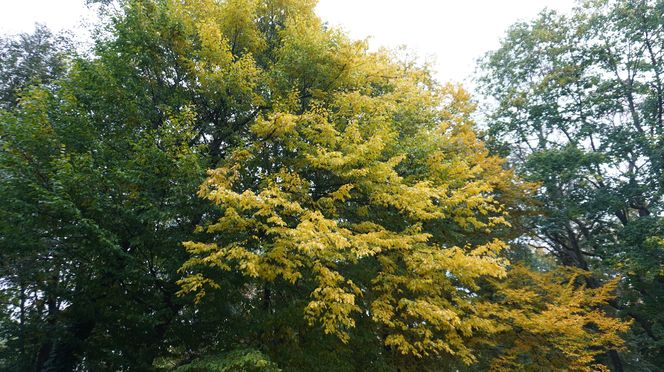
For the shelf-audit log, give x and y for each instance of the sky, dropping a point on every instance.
(451, 34)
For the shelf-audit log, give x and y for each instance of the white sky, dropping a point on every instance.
(452, 33)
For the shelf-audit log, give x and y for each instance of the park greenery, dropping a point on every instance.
(236, 186)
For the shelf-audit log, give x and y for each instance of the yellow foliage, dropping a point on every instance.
(552, 319)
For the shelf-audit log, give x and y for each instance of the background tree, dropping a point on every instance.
(579, 108)
(38, 58)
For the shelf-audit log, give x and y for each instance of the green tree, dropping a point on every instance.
(579, 109)
(97, 192)
(38, 58)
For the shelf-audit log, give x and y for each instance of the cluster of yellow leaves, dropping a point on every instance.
(552, 319)
(332, 202)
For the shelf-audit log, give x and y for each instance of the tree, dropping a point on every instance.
(38, 58)
(361, 196)
(579, 110)
(95, 200)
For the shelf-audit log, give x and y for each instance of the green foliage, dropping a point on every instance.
(39, 58)
(94, 204)
(238, 360)
(579, 110)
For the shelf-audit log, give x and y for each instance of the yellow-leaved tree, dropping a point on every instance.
(360, 193)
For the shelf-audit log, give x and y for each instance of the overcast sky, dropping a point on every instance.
(453, 33)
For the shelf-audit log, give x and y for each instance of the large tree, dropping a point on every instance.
(361, 201)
